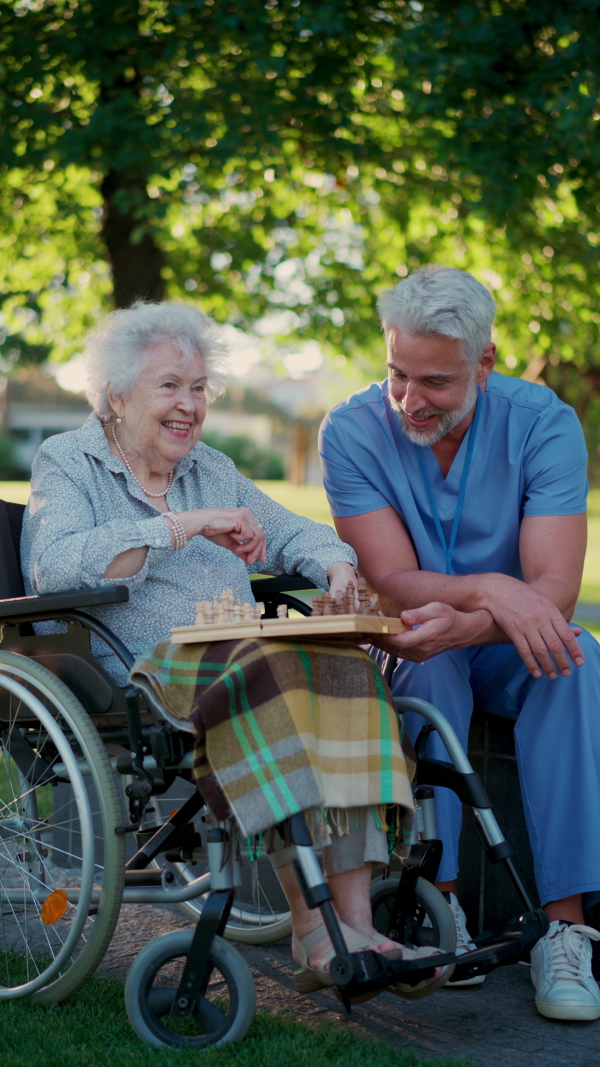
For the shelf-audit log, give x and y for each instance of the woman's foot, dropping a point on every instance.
(313, 973)
(314, 952)
(321, 949)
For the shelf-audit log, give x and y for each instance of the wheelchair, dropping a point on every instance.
(98, 808)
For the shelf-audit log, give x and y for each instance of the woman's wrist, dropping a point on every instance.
(340, 568)
(178, 534)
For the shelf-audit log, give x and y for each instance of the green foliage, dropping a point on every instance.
(253, 461)
(9, 468)
(506, 98)
(300, 156)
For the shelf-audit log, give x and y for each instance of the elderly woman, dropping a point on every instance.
(134, 497)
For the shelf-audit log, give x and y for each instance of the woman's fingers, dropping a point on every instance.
(238, 530)
(339, 576)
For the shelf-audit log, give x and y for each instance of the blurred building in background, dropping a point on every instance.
(267, 421)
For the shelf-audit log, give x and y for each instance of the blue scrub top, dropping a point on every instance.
(529, 459)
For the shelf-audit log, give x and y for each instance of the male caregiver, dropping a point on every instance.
(463, 492)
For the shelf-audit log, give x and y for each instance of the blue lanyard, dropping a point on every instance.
(449, 548)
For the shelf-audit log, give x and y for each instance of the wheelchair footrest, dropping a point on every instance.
(513, 945)
(363, 972)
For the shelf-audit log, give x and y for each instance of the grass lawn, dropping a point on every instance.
(590, 587)
(92, 1029)
(17, 492)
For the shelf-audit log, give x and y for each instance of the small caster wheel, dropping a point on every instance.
(429, 920)
(223, 1013)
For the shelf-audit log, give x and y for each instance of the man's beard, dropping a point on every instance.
(447, 419)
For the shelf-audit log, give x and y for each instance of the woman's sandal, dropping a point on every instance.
(308, 979)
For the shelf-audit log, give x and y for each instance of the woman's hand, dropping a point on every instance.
(235, 529)
(338, 576)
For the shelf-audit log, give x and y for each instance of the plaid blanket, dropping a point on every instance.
(283, 726)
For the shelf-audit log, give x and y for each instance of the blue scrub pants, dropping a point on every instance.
(557, 741)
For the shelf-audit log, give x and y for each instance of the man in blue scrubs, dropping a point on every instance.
(463, 492)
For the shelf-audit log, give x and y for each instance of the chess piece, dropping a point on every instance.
(374, 605)
(282, 611)
(227, 600)
(248, 612)
(327, 604)
(350, 600)
(317, 606)
(363, 597)
(205, 613)
(220, 614)
(237, 610)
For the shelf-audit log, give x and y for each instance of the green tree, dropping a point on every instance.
(155, 106)
(506, 96)
(301, 155)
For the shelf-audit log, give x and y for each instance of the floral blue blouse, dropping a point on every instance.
(85, 509)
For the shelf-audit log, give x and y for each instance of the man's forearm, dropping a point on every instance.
(413, 589)
(474, 595)
(470, 592)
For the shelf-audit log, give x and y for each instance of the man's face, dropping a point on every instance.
(432, 389)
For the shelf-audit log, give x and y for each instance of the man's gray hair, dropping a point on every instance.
(441, 301)
(117, 350)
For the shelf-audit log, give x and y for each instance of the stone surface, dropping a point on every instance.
(489, 1026)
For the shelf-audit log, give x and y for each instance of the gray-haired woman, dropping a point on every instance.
(134, 497)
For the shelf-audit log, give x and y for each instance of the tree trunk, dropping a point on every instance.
(299, 454)
(136, 265)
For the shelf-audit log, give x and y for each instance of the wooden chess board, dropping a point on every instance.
(227, 619)
(335, 627)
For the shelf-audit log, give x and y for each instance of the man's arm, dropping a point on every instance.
(483, 608)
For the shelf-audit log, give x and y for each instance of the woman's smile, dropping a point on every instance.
(177, 427)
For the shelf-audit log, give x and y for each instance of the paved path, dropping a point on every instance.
(493, 1025)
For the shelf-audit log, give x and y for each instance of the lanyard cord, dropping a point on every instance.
(449, 548)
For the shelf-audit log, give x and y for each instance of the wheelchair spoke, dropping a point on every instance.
(208, 1016)
(53, 829)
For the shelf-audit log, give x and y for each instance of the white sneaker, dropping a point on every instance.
(561, 971)
(463, 941)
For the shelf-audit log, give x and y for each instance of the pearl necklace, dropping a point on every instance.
(128, 465)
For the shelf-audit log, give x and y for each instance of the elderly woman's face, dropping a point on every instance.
(164, 412)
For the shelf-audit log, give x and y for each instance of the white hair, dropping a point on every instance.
(444, 302)
(117, 350)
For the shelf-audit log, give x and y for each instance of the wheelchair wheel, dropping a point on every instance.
(61, 863)
(224, 1012)
(260, 912)
(430, 920)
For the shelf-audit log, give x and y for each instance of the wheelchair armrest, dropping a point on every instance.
(262, 587)
(50, 605)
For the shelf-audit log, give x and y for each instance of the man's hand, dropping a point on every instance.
(534, 624)
(439, 628)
